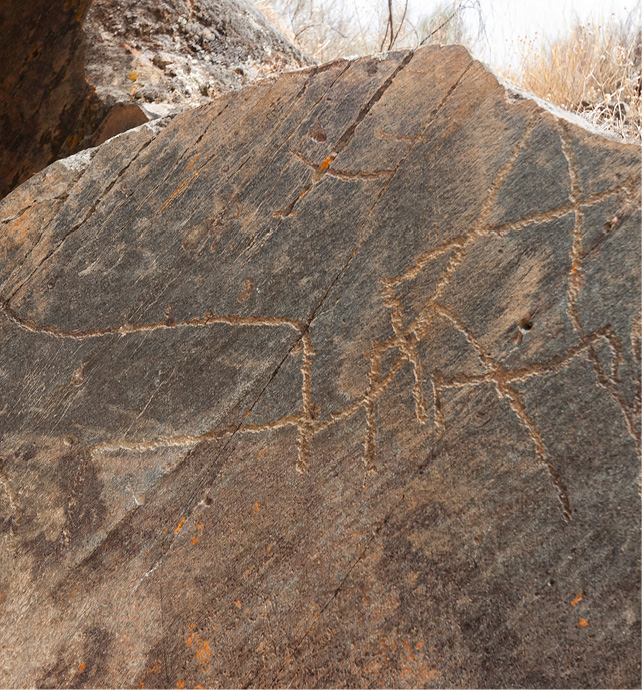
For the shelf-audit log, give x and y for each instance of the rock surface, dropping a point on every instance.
(142, 59)
(46, 106)
(171, 54)
(332, 382)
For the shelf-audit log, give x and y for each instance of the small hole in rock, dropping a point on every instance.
(525, 325)
(208, 500)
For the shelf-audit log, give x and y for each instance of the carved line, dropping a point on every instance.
(575, 279)
(405, 340)
(207, 319)
(320, 170)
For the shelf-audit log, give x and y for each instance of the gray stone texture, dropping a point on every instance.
(333, 382)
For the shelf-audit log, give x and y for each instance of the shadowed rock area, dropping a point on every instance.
(79, 72)
(334, 382)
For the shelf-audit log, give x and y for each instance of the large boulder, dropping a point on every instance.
(332, 382)
(61, 92)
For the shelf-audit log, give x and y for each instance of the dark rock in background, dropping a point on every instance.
(142, 59)
(46, 105)
(334, 381)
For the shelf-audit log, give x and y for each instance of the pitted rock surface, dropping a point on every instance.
(332, 382)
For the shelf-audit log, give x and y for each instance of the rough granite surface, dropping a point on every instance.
(333, 382)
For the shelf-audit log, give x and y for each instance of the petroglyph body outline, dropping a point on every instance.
(406, 339)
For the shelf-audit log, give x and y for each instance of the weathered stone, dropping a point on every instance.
(177, 53)
(332, 382)
(143, 58)
(46, 106)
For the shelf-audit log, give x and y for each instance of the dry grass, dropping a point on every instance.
(594, 70)
(329, 29)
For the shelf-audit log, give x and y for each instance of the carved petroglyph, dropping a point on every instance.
(575, 281)
(405, 341)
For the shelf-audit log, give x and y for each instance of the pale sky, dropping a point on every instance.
(507, 21)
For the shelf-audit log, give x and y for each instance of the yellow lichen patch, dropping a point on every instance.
(133, 76)
(203, 651)
(577, 599)
(327, 162)
(199, 533)
(193, 161)
(153, 669)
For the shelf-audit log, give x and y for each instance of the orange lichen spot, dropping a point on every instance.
(583, 623)
(199, 533)
(327, 162)
(204, 652)
(269, 548)
(196, 155)
(133, 76)
(81, 668)
(429, 674)
(256, 507)
(196, 687)
(155, 667)
(180, 684)
(303, 193)
(577, 599)
(180, 524)
(238, 603)
(419, 644)
(247, 414)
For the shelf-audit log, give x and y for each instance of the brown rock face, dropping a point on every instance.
(46, 105)
(142, 59)
(171, 54)
(332, 382)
